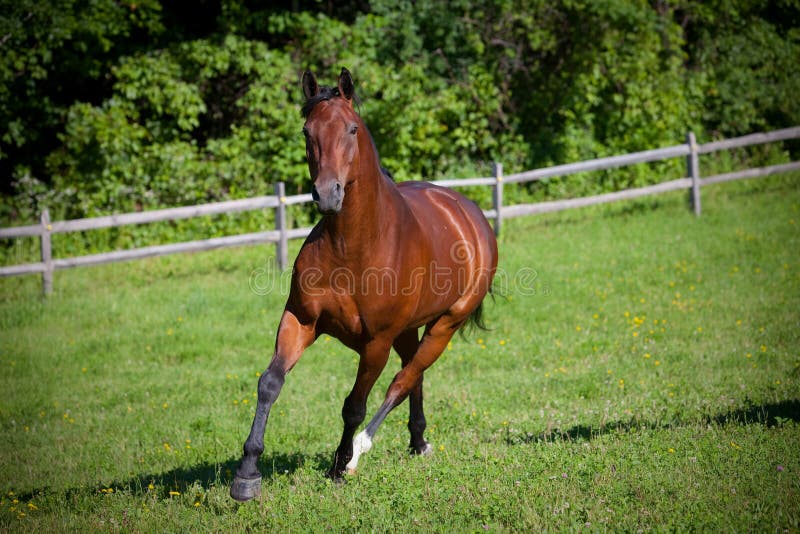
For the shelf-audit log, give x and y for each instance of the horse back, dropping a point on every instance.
(459, 240)
(448, 215)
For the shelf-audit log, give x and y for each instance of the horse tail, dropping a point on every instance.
(476, 319)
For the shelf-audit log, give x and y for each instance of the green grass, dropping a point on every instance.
(643, 374)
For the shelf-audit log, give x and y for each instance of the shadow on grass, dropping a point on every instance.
(210, 474)
(770, 415)
(220, 474)
(185, 479)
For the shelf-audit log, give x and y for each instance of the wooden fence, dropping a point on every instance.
(282, 233)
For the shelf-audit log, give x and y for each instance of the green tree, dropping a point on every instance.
(201, 121)
(747, 53)
(54, 53)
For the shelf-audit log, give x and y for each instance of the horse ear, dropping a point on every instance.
(310, 86)
(346, 88)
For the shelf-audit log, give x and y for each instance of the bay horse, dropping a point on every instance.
(384, 260)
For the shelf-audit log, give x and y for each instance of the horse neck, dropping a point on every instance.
(370, 203)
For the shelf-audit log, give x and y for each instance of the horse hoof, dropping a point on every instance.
(245, 489)
(336, 477)
(351, 471)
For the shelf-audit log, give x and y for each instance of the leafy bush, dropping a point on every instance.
(201, 122)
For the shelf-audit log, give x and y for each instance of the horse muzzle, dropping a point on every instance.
(328, 197)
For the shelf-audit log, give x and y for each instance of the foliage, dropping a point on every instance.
(114, 107)
(200, 122)
(747, 52)
(646, 378)
(55, 53)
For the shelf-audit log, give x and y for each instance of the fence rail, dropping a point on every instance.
(281, 235)
(599, 164)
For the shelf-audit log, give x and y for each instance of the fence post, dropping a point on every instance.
(282, 246)
(47, 253)
(693, 169)
(497, 197)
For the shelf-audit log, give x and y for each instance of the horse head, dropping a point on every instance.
(332, 145)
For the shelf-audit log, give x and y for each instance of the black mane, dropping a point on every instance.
(325, 93)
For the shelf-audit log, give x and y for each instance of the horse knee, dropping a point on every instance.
(401, 386)
(269, 385)
(353, 412)
(253, 447)
(417, 425)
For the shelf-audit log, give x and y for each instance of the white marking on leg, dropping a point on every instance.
(427, 450)
(361, 444)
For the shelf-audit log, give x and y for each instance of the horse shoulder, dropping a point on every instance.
(324, 289)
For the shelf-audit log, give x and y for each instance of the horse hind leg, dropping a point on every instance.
(433, 343)
(406, 346)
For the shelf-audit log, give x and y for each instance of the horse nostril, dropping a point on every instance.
(338, 187)
(314, 193)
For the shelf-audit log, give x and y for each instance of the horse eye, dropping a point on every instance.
(353, 129)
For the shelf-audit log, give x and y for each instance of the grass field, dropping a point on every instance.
(643, 372)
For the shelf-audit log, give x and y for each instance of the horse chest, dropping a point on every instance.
(347, 316)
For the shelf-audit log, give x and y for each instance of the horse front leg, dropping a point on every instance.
(293, 338)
